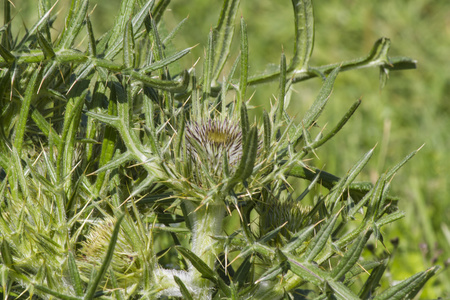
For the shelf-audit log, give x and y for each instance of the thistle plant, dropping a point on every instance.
(119, 177)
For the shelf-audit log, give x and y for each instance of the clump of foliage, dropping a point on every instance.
(119, 177)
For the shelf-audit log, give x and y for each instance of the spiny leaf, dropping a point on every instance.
(208, 67)
(345, 182)
(244, 61)
(92, 43)
(341, 291)
(30, 94)
(282, 87)
(248, 159)
(7, 55)
(166, 61)
(55, 293)
(267, 131)
(74, 275)
(319, 104)
(338, 127)
(128, 46)
(307, 271)
(200, 265)
(403, 288)
(74, 22)
(45, 46)
(183, 289)
(299, 238)
(304, 34)
(351, 256)
(374, 280)
(117, 33)
(321, 238)
(245, 126)
(223, 35)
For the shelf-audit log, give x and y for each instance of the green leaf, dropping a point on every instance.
(107, 119)
(417, 287)
(118, 292)
(151, 134)
(223, 35)
(117, 33)
(245, 126)
(271, 273)
(7, 258)
(180, 134)
(319, 104)
(242, 273)
(7, 55)
(401, 63)
(74, 275)
(92, 43)
(168, 38)
(244, 61)
(158, 10)
(204, 269)
(345, 182)
(389, 218)
(282, 95)
(360, 267)
(7, 36)
(44, 125)
(340, 291)
(373, 282)
(393, 170)
(304, 34)
(208, 67)
(319, 241)
(270, 235)
(18, 175)
(46, 47)
(198, 263)
(307, 271)
(183, 289)
(56, 294)
(267, 132)
(299, 238)
(128, 46)
(248, 159)
(74, 22)
(30, 94)
(376, 198)
(411, 285)
(38, 25)
(351, 256)
(338, 127)
(166, 61)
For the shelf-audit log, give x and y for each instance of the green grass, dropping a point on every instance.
(411, 110)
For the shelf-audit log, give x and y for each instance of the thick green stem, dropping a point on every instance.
(207, 223)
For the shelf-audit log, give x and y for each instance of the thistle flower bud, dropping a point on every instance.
(125, 259)
(208, 142)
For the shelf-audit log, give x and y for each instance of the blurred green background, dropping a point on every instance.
(413, 108)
